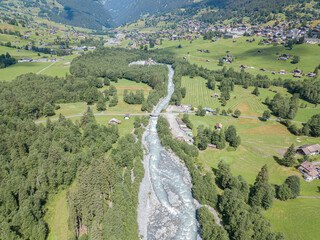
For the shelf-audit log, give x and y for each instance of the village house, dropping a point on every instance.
(310, 171)
(216, 95)
(309, 150)
(114, 121)
(218, 126)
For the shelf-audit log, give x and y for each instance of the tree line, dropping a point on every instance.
(6, 60)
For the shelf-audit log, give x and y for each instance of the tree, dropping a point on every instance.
(201, 112)
(314, 125)
(237, 113)
(48, 110)
(256, 91)
(221, 62)
(288, 158)
(263, 175)
(101, 105)
(284, 192)
(293, 183)
(295, 59)
(266, 114)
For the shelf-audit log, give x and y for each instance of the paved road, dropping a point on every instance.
(142, 114)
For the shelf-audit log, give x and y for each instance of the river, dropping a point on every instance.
(166, 207)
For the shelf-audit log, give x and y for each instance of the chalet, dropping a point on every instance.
(216, 95)
(127, 116)
(309, 150)
(283, 58)
(244, 66)
(297, 75)
(218, 126)
(27, 59)
(114, 121)
(297, 71)
(310, 172)
(311, 74)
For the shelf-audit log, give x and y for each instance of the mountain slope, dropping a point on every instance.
(81, 13)
(128, 10)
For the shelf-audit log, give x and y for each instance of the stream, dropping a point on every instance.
(166, 206)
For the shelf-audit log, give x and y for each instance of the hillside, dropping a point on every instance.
(80, 13)
(127, 10)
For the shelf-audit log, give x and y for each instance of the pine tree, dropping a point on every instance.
(288, 158)
(263, 175)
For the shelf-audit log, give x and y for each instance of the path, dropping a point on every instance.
(163, 114)
(314, 197)
(45, 68)
(215, 214)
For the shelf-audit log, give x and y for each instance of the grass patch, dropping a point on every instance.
(297, 219)
(57, 215)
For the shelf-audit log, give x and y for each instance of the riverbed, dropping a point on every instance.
(166, 206)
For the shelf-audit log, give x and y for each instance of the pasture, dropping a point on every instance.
(69, 109)
(246, 53)
(243, 99)
(262, 143)
(297, 219)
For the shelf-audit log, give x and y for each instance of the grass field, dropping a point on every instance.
(13, 71)
(243, 99)
(261, 143)
(297, 219)
(247, 53)
(57, 216)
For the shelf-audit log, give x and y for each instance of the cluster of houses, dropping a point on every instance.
(310, 171)
(184, 127)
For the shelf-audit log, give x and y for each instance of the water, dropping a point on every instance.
(173, 214)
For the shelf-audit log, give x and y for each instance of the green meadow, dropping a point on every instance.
(265, 143)
(247, 53)
(297, 219)
(243, 99)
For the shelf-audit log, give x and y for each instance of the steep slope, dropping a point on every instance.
(128, 10)
(81, 13)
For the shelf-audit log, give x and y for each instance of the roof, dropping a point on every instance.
(308, 149)
(309, 169)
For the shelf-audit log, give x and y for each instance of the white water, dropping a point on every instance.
(166, 207)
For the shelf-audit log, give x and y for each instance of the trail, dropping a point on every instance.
(163, 114)
(45, 68)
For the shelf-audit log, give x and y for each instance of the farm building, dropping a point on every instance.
(218, 126)
(309, 150)
(114, 121)
(127, 116)
(310, 172)
(216, 95)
